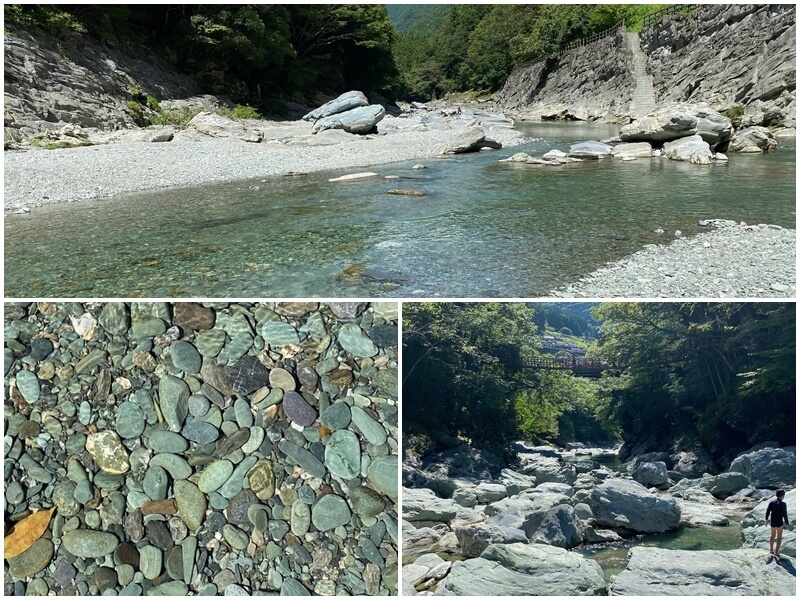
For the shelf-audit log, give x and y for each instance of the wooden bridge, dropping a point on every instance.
(579, 365)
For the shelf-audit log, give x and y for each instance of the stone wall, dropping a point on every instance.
(50, 83)
(725, 55)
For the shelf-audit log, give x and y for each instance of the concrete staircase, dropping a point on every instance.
(644, 95)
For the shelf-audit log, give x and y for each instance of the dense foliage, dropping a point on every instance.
(722, 374)
(476, 46)
(461, 377)
(574, 316)
(252, 52)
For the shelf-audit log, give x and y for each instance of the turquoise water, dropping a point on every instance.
(485, 229)
(613, 558)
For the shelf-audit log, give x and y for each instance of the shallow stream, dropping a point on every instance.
(485, 229)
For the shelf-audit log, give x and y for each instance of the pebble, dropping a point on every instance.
(41, 348)
(366, 502)
(185, 357)
(201, 432)
(107, 450)
(248, 374)
(114, 318)
(191, 315)
(343, 454)
(261, 479)
(303, 457)
(167, 441)
(150, 561)
(382, 474)
(353, 339)
(175, 465)
(87, 543)
(298, 410)
(198, 405)
(278, 333)
(237, 538)
(210, 343)
(155, 482)
(347, 310)
(301, 518)
(191, 503)
(28, 385)
(372, 430)
(32, 560)
(281, 378)
(330, 512)
(214, 475)
(130, 420)
(173, 397)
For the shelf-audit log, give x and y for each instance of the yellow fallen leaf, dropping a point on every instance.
(24, 533)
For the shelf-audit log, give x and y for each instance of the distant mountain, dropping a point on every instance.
(423, 18)
(574, 316)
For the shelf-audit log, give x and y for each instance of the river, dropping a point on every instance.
(485, 229)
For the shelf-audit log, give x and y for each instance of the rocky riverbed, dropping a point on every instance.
(216, 448)
(516, 531)
(136, 160)
(735, 260)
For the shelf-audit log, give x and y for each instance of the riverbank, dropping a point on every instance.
(732, 261)
(41, 177)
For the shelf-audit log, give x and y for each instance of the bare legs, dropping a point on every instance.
(775, 538)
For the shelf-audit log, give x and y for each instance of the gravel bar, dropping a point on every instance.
(39, 177)
(733, 261)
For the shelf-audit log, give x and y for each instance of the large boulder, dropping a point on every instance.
(723, 485)
(500, 529)
(623, 503)
(463, 462)
(651, 473)
(423, 540)
(490, 492)
(679, 121)
(753, 139)
(768, 467)
(693, 462)
(547, 469)
(756, 535)
(345, 102)
(530, 508)
(216, 126)
(359, 120)
(560, 527)
(424, 505)
(524, 570)
(509, 478)
(659, 572)
(471, 139)
(693, 149)
(590, 150)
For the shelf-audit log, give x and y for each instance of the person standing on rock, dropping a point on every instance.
(777, 515)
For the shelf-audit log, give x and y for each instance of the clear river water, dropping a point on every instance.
(485, 229)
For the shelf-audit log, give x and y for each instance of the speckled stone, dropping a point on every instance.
(198, 405)
(366, 502)
(300, 518)
(347, 310)
(330, 512)
(261, 479)
(87, 543)
(191, 503)
(107, 450)
(33, 560)
(298, 410)
(248, 375)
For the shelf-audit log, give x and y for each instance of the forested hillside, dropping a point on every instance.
(722, 374)
(476, 46)
(254, 53)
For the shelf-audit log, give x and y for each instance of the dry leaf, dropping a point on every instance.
(324, 431)
(24, 533)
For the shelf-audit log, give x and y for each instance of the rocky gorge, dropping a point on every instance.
(516, 530)
(215, 448)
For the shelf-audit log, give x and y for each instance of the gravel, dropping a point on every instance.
(39, 177)
(733, 261)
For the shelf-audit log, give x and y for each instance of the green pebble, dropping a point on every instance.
(330, 512)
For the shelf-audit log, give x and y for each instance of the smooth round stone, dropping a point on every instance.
(170, 588)
(92, 519)
(83, 491)
(133, 589)
(237, 538)
(257, 514)
(130, 420)
(64, 499)
(343, 454)
(127, 554)
(167, 442)
(125, 574)
(298, 410)
(145, 326)
(87, 543)
(53, 426)
(108, 482)
(372, 429)
(235, 590)
(175, 465)
(200, 432)
(14, 493)
(278, 334)
(173, 397)
(32, 560)
(217, 501)
(105, 578)
(29, 429)
(185, 357)
(191, 503)
(248, 374)
(336, 416)
(41, 348)
(210, 343)
(300, 518)
(28, 385)
(384, 336)
(292, 587)
(198, 405)
(255, 440)
(107, 450)
(354, 341)
(155, 482)
(174, 563)
(382, 474)
(239, 505)
(85, 413)
(37, 587)
(244, 416)
(281, 378)
(307, 375)
(150, 561)
(278, 528)
(307, 494)
(76, 444)
(237, 480)
(331, 511)
(214, 475)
